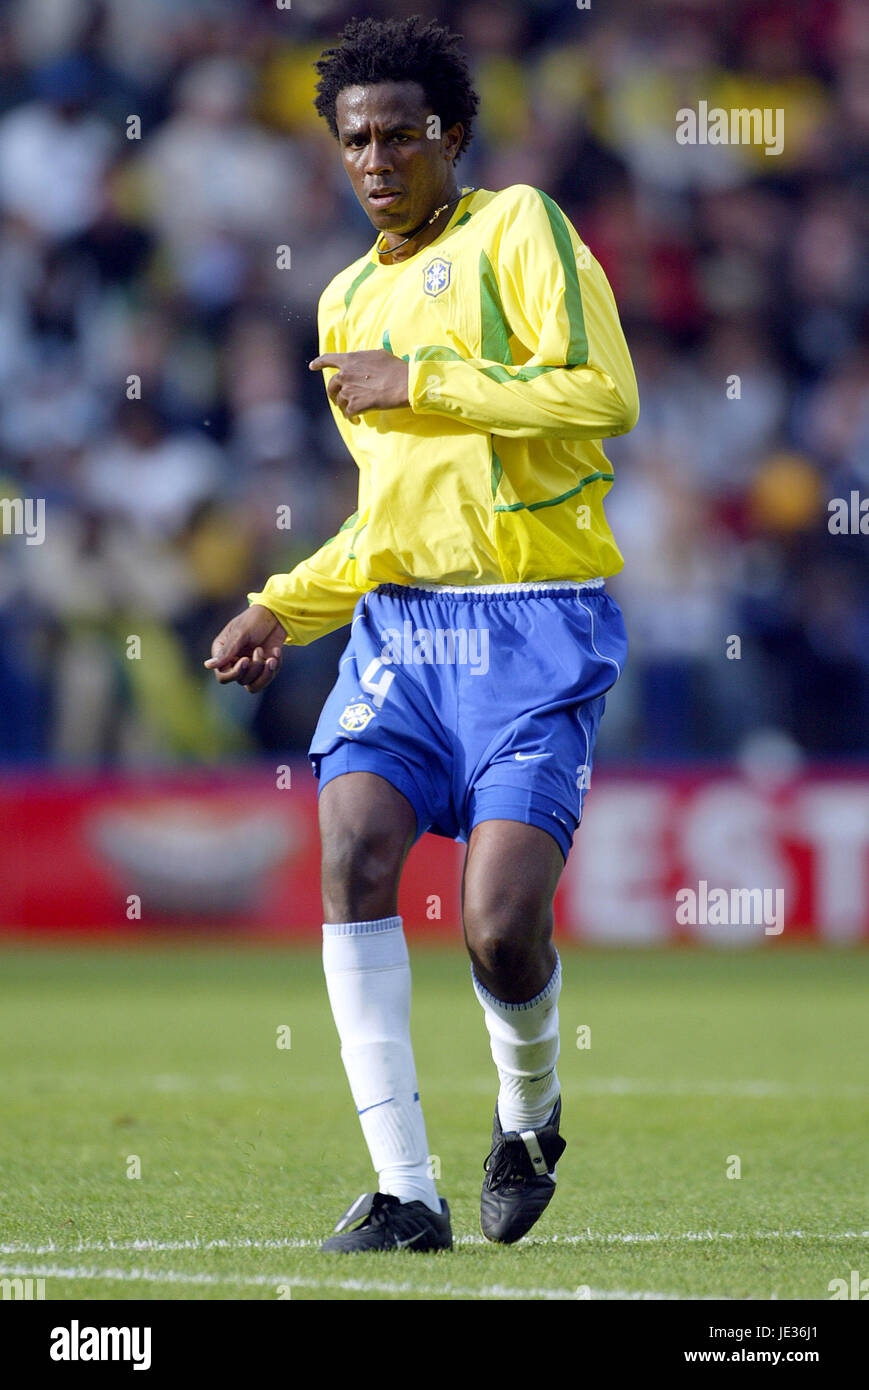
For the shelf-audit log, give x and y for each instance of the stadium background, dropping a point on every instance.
(155, 257)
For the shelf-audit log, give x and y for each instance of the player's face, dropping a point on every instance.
(399, 170)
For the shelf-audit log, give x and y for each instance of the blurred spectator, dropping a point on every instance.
(146, 478)
(54, 151)
(221, 188)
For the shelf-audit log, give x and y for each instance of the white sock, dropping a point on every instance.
(524, 1040)
(368, 979)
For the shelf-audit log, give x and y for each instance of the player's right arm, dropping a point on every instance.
(319, 595)
(313, 599)
(248, 650)
(316, 597)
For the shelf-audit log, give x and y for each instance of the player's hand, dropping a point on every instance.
(364, 381)
(249, 649)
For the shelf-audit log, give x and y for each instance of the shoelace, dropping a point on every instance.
(508, 1163)
(381, 1208)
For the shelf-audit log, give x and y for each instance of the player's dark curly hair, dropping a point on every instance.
(400, 50)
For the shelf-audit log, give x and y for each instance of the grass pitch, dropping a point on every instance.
(163, 1059)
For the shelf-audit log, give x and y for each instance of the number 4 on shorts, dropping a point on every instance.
(377, 689)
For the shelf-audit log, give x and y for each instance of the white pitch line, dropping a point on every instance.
(487, 1291)
(148, 1246)
(588, 1237)
(736, 1090)
(168, 1083)
(730, 1090)
(639, 1237)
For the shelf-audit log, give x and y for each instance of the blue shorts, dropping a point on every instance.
(478, 703)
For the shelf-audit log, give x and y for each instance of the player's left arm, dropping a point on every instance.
(546, 290)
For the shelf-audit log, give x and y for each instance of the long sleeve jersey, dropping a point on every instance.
(517, 369)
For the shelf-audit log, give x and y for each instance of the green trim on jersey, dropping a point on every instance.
(577, 352)
(496, 474)
(363, 275)
(554, 501)
(354, 538)
(351, 521)
(386, 343)
(436, 353)
(499, 373)
(495, 331)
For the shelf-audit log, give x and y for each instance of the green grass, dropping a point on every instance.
(169, 1053)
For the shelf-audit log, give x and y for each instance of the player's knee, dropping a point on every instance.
(506, 949)
(496, 955)
(360, 871)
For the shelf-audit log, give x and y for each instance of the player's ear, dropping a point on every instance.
(453, 141)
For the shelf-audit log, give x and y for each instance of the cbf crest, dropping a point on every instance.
(355, 717)
(436, 276)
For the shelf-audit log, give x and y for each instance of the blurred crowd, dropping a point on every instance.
(154, 154)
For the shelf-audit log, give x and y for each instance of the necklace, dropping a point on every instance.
(388, 250)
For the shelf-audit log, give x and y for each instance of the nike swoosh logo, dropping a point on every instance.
(400, 1244)
(524, 757)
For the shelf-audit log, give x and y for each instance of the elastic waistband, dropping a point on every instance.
(460, 591)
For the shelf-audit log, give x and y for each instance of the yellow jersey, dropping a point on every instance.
(517, 369)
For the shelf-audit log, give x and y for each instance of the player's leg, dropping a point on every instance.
(554, 652)
(367, 828)
(511, 872)
(510, 876)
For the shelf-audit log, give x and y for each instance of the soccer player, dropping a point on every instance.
(473, 361)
